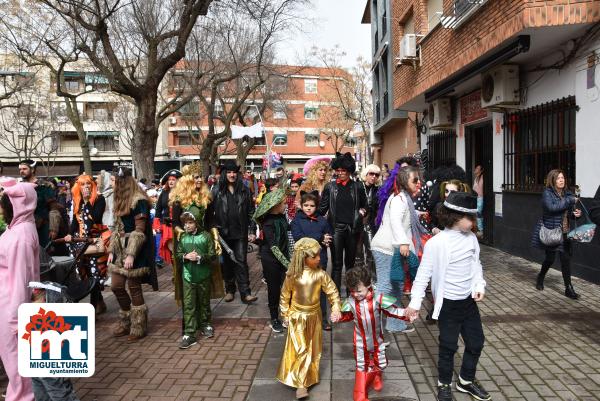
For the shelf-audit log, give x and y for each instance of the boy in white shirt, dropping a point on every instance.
(451, 261)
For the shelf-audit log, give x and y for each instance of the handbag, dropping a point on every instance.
(401, 265)
(550, 236)
(585, 232)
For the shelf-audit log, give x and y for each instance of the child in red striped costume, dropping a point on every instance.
(365, 309)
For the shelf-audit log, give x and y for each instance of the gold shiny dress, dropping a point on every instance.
(299, 305)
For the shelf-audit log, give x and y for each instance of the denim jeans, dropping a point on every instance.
(53, 389)
(480, 214)
(383, 265)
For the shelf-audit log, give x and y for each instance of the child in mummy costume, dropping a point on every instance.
(366, 309)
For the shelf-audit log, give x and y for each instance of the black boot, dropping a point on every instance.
(570, 292)
(540, 282)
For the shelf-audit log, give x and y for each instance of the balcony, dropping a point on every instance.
(386, 107)
(377, 113)
(463, 10)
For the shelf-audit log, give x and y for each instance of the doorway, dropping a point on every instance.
(479, 150)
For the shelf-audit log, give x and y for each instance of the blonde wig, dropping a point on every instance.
(371, 168)
(462, 187)
(186, 194)
(312, 181)
(303, 248)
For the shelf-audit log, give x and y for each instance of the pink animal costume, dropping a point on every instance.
(19, 264)
(369, 345)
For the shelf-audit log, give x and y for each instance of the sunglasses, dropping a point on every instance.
(374, 174)
(415, 180)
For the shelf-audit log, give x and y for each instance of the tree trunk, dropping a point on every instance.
(145, 137)
(243, 151)
(205, 155)
(75, 118)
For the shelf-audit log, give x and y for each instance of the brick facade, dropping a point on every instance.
(446, 51)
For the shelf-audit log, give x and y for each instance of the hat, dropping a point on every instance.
(193, 212)
(170, 173)
(314, 160)
(461, 202)
(270, 200)
(152, 193)
(122, 171)
(229, 165)
(344, 161)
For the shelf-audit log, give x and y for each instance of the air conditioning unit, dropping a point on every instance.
(173, 120)
(500, 87)
(440, 113)
(408, 47)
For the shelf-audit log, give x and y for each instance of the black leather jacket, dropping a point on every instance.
(162, 211)
(327, 204)
(218, 217)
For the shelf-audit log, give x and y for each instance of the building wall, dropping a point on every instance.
(446, 51)
(399, 140)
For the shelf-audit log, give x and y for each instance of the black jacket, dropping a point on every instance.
(372, 204)
(329, 197)
(217, 215)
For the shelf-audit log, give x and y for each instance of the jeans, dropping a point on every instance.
(480, 214)
(459, 317)
(383, 266)
(53, 389)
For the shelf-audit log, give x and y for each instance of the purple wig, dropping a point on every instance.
(384, 193)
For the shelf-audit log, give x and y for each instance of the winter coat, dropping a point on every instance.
(303, 227)
(553, 210)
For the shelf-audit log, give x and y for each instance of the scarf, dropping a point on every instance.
(416, 228)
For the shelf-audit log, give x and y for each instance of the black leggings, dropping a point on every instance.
(565, 261)
(274, 273)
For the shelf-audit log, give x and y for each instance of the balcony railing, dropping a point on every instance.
(377, 113)
(386, 107)
(463, 10)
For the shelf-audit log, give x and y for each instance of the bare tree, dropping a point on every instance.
(350, 91)
(26, 129)
(133, 44)
(229, 70)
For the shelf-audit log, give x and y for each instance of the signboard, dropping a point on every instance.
(470, 108)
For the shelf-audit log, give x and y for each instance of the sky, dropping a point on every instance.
(334, 22)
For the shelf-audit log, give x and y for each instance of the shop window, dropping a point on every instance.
(537, 140)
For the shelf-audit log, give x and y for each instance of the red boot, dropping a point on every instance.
(377, 382)
(360, 386)
(407, 285)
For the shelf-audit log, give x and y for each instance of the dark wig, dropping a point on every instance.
(309, 196)
(238, 185)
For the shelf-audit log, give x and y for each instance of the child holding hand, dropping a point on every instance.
(451, 261)
(365, 309)
(301, 312)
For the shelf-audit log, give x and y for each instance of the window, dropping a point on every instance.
(218, 109)
(187, 138)
(260, 141)
(99, 112)
(434, 12)
(72, 85)
(104, 143)
(441, 149)
(350, 141)
(279, 138)
(311, 138)
(310, 112)
(537, 140)
(310, 86)
(190, 109)
(58, 111)
(26, 110)
(279, 111)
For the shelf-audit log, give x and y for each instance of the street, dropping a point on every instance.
(539, 346)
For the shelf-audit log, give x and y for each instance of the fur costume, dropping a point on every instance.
(139, 321)
(345, 161)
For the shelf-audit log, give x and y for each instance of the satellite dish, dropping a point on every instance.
(93, 151)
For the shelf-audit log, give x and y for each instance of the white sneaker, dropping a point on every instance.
(408, 329)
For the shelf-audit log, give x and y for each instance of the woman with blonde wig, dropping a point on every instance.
(301, 312)
(88, 208)
(318, 173)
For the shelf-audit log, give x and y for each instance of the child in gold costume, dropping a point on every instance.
(301, 312)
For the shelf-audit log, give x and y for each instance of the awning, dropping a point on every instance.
(72, 74)
(103, 133)
(95, 79)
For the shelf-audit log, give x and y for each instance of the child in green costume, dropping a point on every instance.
(195, 251)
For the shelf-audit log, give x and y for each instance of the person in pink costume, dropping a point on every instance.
(19, 264)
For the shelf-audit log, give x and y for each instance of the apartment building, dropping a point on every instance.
(36, 124)
(512, 85)
(302, 122)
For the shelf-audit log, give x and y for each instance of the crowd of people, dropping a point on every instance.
(403, 233)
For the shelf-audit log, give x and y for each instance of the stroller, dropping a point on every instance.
(63, 270)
